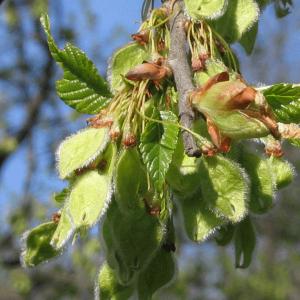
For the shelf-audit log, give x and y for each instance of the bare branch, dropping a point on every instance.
(179, 63)
(34, 106)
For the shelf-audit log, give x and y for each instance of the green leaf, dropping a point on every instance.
(239, 17)
(61, 196)
(249, 38)
(158, 143)
(224, 187)
(244, 243)
(129, 178)
(283, 172)
(157, 274)
(285, 102)
(130, 241)
(82, 88)
(63, 232)
(108, 287)
(123, 60)
(238, 125)
(80, 149)
(189, 165)
(183, 183)
(37, 248)
(262, 183)
(225, 234)
(90, 193)
(199, 221)
(203, 9)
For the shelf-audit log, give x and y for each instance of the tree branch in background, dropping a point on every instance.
(34, 105)
(179, 63)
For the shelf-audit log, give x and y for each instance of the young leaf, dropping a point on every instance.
(88, 196)
(61, 196)
(283, 172)
(224, 234)
(123, 60)
(198, 220)
(239, 17)
(157, 147)
(237, 125)
(130, 241)
(244, 241)
(157, 274)
(285, 102)
(37, 248)
(262, 183)
(224, 187)
(129, 177)
(183, 183)
(79, 150)
(108, 287)
(201, 9)
(249, 38)
(82, 88)
(63, 232)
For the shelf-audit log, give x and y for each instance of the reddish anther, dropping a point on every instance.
(114, 134)
(198, 64)
(277, 152)
(56, 217)
(100, 121)
(141, 37)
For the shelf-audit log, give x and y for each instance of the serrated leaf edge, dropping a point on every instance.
(23, 248)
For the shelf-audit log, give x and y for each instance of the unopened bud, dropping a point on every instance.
(114, 133)
(129, 140)
(148, 71)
